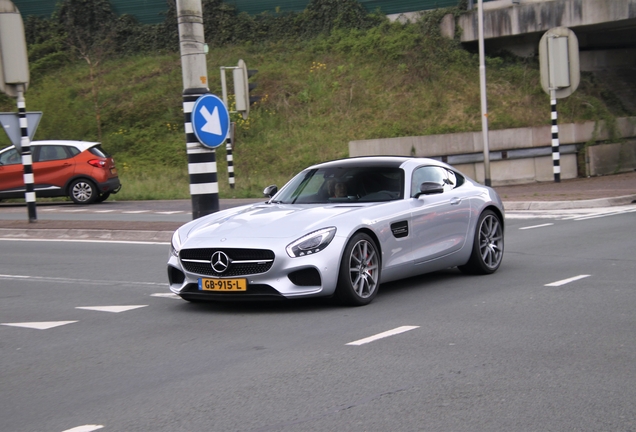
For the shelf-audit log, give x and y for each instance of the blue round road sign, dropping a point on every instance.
(210, 120)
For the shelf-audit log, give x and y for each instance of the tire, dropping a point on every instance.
(102, 197)
(83, 191)
(488, 245)
(359, 275)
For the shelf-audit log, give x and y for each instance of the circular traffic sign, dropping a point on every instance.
(210, 120)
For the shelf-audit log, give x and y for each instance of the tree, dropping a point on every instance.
(89, 27)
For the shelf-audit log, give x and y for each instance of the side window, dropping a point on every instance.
(449, 179)
(424, 174)
(52, 152)
(10, 157)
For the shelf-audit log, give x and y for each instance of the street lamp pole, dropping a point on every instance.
(482, 85)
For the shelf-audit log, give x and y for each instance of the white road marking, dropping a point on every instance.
(85, 428)
(113, 309)
(84, 241)
(44, 325)
(77, 281)
(103, 211)
(383, 335)
(170, 212)
(166, 295)
(611, 213)
(536, 226)
(135, 211)
(567, 281)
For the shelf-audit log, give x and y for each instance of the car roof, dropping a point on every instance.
(80, 145)
(378, 161)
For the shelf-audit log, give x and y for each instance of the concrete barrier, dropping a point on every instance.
(520, 155)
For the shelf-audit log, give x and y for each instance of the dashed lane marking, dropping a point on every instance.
(536, 226)
(567, 281)
(383, 335)
(84, 428)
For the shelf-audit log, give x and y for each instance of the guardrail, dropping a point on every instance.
(521, 155)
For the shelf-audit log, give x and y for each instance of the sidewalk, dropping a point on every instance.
(594, 192)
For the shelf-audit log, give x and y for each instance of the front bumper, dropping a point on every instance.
(309, 276)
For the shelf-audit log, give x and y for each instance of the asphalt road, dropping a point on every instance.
(546, 343)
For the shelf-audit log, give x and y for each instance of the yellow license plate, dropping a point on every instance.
(113, 171)
(223, 284)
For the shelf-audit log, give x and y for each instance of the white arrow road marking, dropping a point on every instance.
(85, 428)
(45, 325)
(566, 281)
(383, 335)
(212, 121)
(113, 309)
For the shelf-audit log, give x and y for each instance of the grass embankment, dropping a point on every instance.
(390, 81)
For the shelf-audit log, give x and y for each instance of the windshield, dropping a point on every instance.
(343, 185)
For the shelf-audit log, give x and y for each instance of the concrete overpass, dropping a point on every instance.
(603, 27)
(606, 30)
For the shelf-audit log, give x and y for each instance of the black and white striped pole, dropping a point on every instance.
(27, 159)
(204, 188)
(556, 155)
(14, 79)
(230, 158)
(230, 138)
(202, 170)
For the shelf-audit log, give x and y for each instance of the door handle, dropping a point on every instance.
(455, 201)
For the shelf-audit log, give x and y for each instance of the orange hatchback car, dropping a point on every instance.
(80, 170)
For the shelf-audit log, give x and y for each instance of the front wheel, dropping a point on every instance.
(359, 275)
(83, 191)
(488, 245)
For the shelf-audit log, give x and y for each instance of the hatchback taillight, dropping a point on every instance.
(97, 163)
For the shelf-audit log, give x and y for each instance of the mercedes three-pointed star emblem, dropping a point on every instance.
(220, 262)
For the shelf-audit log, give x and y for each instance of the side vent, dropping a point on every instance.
(400, 229)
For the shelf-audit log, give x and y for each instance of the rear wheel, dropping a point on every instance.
(359, 275)
(488, 246)
(83, 191)
(102, 197)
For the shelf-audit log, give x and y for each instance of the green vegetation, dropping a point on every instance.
(336, 83)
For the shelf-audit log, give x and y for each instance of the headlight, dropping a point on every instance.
(175, 244)
(311, 243)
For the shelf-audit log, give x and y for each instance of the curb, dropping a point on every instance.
(86, 234)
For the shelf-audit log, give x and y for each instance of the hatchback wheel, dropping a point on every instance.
(359, 275)
(102, 197)
(83, 191)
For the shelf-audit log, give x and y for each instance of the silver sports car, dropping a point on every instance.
(341, 228)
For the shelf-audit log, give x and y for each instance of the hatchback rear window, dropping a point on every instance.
(98, 151)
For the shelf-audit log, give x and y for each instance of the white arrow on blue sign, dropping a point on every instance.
(210, 120)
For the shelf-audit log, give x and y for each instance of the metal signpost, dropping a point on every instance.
(242, 99)
(14, 80)
(560, 77)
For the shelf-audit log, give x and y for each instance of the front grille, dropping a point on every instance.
(243, 262)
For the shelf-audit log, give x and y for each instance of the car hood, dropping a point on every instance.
(267, 221)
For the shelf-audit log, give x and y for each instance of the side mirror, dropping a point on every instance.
(430, 188)
(270, 191)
